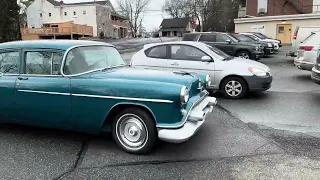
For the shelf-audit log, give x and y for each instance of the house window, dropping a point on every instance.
(74, 13)
(41, 15)
(65, 13)
(84, 12)
(49, 14)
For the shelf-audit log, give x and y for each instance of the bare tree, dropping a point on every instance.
(177, 8)
(134, 11)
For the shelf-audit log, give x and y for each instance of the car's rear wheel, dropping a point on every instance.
(244, 54)
(134, 131)
(234, 87)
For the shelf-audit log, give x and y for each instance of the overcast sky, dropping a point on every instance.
(152, 19)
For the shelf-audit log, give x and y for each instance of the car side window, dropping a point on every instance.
(222, 38)
(9, 62)
(183, 52)
(157, 52)
(207, 38)
(43, 62)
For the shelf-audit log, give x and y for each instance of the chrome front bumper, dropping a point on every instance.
(196, 118)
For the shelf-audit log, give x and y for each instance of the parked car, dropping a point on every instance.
(86, 86)
(308, 51)
(233, 76)
(268, 48)
(300, 33)
(277, 44)
(227, 44)
(315, 75)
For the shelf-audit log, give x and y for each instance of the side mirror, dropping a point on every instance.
(228, 41)
(206, 58)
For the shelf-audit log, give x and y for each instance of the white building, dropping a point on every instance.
(98, 14)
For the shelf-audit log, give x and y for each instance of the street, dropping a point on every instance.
(267, 135)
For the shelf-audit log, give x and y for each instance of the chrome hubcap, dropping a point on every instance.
(131, 131)
(233, 88)
(244, 55)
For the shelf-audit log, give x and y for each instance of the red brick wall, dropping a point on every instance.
(275, 7)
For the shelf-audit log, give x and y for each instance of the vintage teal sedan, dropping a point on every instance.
(86, 86)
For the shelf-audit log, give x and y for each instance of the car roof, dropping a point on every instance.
(193, 43)
(211, 32)
(49, 44)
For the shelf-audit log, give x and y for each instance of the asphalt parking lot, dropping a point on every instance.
(261, 136)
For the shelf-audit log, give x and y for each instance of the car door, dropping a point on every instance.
(224, 43)
(43, 94)
(9, 71)
(189, 58)
(157, 58)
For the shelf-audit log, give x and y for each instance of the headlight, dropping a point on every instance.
(257, 48)
(208, 81)
(269, 45)
(257, 71)
(184, 95)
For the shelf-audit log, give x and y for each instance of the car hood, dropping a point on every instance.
(250, 63)
(138, 74)
(270, 40)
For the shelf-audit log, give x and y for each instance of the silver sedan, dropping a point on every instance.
(234, 77)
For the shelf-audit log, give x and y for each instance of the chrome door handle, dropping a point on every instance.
(23, 78)
(175, 64)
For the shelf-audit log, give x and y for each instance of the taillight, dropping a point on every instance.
(306, 48)
(295, 36)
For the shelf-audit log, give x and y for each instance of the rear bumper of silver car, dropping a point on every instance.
(196, 118)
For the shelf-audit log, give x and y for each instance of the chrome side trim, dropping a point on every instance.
(97, 96)
(44, 92)
(124, 98)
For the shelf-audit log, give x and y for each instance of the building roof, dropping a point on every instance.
(49, 44)
(106, 2)
(277, 18)
(175, 23)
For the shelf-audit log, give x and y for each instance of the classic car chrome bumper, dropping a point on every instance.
(196, 118)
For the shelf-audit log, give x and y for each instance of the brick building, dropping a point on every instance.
(278, 7)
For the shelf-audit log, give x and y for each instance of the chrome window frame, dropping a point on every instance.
(19, 61)
(24, 51)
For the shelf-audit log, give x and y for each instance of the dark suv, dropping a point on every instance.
(228, 44)
(268, 48)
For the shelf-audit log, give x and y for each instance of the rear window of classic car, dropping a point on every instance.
(89, 58)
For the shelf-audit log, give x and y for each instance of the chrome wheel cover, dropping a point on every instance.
(131, 131)
(244, 55)
(233, 88)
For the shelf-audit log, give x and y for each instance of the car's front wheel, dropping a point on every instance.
(134, 131)
(234, 87)
(244, 54)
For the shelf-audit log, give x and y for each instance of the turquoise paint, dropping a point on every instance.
(48, 44)
(7, 97)
(45, 110)
(87, 114)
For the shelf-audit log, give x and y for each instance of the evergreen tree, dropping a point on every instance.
(9, 20)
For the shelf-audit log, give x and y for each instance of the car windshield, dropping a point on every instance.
(91, 58)
(218, 52)
(243, 37)
(261, 36)
(234, 39)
